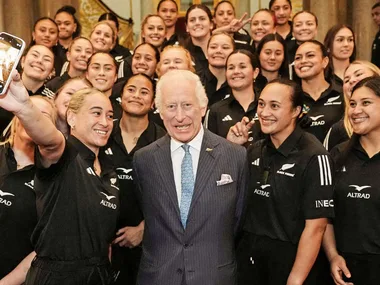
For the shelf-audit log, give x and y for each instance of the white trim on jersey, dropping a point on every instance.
(324, 170)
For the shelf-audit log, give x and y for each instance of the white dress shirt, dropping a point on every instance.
(178, 153)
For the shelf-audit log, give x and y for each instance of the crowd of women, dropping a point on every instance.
(79, 109)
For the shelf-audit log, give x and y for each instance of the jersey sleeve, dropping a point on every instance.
(56, 168)
(318, 188)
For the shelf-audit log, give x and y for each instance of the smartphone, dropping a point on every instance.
(11, 49)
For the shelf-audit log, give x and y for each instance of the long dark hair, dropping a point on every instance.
(284, 68)
(330, 36)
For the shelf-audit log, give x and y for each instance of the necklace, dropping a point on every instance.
(135, 139)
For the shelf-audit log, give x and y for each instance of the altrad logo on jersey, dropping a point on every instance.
(316, 122)
(108, 204)
(3, 200)
(358, 194)
(261, 191)
(124, 173)
(286, 167)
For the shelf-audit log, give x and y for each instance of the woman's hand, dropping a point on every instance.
(239, 132)
(16, 98)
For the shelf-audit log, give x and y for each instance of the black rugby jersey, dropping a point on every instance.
(327, 110)
(227, 113)
(77, 209)
(18, 215)
(357, 199)
(288, 185)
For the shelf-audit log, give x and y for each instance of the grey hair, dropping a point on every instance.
(172, 76)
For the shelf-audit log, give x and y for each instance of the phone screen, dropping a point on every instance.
(10, 53)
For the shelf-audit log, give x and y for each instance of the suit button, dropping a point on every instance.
(186, 245)
(179, 271)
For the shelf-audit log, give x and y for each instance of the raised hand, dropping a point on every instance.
(237, 24)
(16, 98)
(238, 133)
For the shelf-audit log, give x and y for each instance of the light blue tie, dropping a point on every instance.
(187, 184)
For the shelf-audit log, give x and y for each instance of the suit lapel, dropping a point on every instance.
(208, 155)
(165, 167)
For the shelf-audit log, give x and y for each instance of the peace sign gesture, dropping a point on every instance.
(236, 24)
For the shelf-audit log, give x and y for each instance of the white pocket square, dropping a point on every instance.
(224, 179)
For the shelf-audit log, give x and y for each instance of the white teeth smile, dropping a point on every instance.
(359, 120)
(183, 127)
(101, 132)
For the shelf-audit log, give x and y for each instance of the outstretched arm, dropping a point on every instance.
(40, 128)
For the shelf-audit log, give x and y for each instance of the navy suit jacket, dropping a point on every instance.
(203, 253)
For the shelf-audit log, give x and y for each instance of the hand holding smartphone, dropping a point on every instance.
(11, 50)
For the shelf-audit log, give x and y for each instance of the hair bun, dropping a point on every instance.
(68, 9)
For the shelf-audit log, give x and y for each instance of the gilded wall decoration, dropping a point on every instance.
(89, 12)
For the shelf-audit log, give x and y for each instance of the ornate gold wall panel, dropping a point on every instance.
(89, 12)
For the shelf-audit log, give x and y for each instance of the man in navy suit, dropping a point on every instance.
(192, 185)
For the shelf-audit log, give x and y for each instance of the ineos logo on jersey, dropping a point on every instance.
(332, 101)
(317, 122)
(261, 191)
(324, 204)
(286, 167)
(30, 184)
(125, 175)
(4, 201)
(359, 189)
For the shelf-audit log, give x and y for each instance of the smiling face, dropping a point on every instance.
(173, 58)
(154, 31)
(276, 113)
(93, 122)
(224, 15)
(181, 111)
(168, 12)
(45, 33)
(144, 60)
(219, 48)
(343, 45)
(309, 61)
(363, 111)
(271, 56)
(282, 11)
(137, 97)
(38, 63)
(102, 72)
(240, 73)
(102, 38)
(198, 24)
(262, 24)
(353, 74)
(79, 53)
(62, 99)
(304, 27)
(66, 25)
